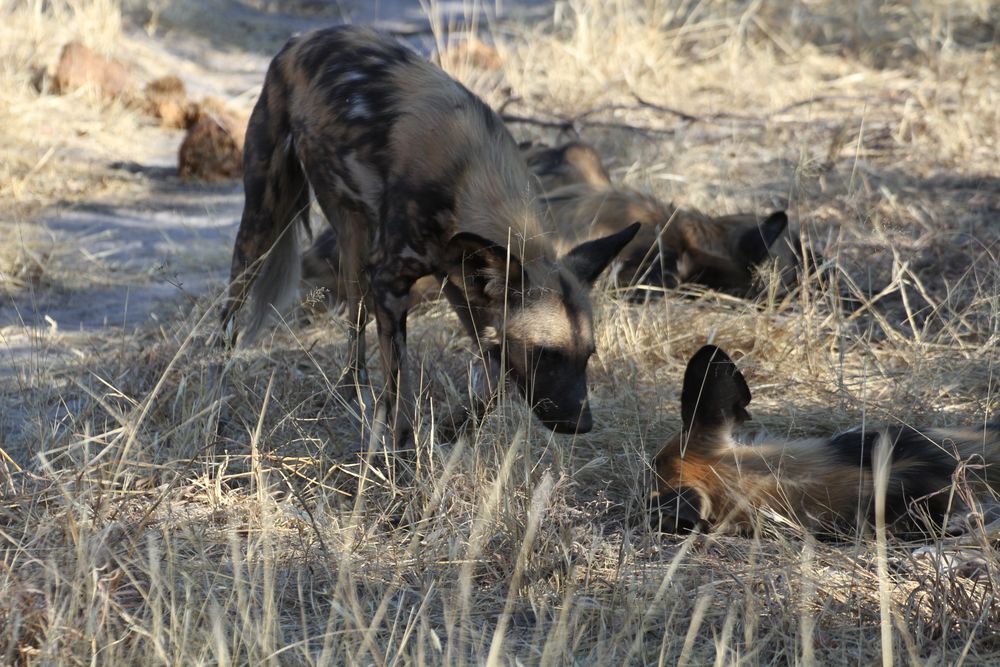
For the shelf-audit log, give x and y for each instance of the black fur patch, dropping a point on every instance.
(572, 312)
(589, 259)
(714, 391)
(755, 244)
(919, 467)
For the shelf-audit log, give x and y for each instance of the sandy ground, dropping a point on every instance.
(165, 241)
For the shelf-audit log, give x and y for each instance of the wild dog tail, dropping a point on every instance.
(276, 183)
(276, 285)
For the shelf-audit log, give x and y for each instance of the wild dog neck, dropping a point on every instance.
(496, 200)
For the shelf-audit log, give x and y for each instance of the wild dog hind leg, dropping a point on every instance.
(352, 245)
(350, 226)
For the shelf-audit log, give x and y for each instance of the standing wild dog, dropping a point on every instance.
(418, 177)
(707, 479)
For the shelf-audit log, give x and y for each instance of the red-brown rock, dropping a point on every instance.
(81, 67)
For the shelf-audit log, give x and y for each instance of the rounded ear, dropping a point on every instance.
(480, 267)
(589, 259)
(715, 393)
(755, 244)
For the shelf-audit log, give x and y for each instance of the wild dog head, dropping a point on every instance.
(749, 245)
(714, 399)
(726, 253)
(535, 318)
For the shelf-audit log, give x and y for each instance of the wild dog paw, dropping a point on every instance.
(971, 563)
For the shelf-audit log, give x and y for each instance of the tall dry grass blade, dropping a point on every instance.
(881, 470)
(539, 503)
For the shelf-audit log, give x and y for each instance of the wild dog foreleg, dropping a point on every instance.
(391, 301)
(486, 374)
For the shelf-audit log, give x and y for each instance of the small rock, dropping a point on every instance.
(81, 67)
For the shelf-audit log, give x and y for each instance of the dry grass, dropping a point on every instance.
(128, 534)
(55, 148)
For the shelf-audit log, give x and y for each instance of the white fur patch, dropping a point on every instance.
(489, 335)
(359, 108)
(367, 180)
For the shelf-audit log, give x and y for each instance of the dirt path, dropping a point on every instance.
(141, 256)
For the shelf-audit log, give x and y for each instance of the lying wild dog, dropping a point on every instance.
(707, 479)
(724, 253)
(418, 177)
(674, 245)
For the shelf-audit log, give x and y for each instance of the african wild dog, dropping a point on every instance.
(674, 246)
(707, 479)
(418, 177)
(724, 253)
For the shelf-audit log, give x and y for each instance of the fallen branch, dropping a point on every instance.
(573, 125)
(664, 109)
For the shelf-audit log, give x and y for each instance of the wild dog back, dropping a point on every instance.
(418, 177)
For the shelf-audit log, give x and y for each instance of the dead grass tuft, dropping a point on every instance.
(212, 149)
